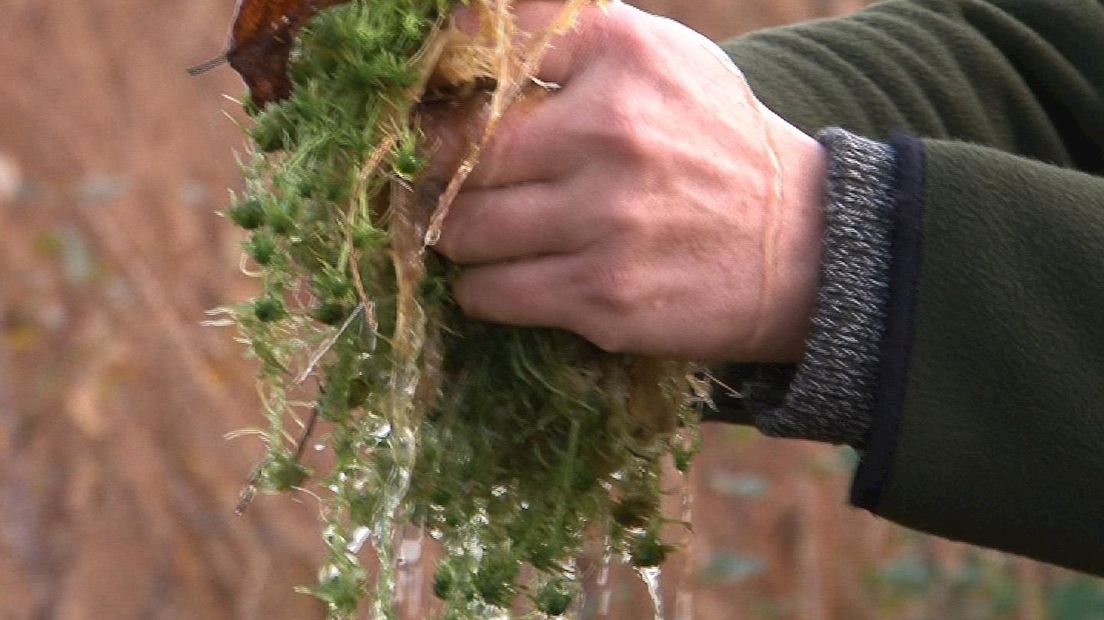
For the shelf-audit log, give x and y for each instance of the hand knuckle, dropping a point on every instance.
(616, 289)
(619, 129)
(624, 220)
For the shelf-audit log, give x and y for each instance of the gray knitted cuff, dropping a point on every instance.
(832, 394)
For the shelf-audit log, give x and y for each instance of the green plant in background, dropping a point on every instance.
(507, 445)
(1077, 598)
(978, 585)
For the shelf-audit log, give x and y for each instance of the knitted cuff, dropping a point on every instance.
(831, 395)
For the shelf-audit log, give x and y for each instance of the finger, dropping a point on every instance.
(518, 221)
(450, 128)
(563, 59)
(571, 48)
(529, 143)
(532, 293)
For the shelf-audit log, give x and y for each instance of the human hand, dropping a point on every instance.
(649, 204)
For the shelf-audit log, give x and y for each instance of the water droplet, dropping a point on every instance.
(604, 590)
(650, 575)
(360, 536)
(410, 550)
(383, 432)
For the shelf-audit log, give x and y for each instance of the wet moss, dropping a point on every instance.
(507, 443)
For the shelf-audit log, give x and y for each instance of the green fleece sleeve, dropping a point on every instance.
(1022, 76)
(990, 419)
(1001, 434)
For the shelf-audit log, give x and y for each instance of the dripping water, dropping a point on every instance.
(604, 589)
(360, 536)
(651, 575)
(388, 539)
(411, 577)
(684, 599)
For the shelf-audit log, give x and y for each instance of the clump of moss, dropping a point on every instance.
(508, 445)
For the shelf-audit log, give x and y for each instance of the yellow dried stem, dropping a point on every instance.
(372, 164)
(406, 257)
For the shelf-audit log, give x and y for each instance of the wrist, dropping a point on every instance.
(796, 264)
(832, 393)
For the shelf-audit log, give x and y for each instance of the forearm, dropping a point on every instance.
(985, 409)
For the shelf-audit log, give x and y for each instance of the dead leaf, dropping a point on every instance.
(261, 39)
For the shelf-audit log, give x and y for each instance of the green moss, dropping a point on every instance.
(330, 313)
(648, 550)
(261, 247)
(341, 590)
(280, 215)
(248, 214)
(512, 441)
(635, 510)
(443, 582)
(408, 161)
(268, 309)
(554, 598)
(283, 473)
(494, 580)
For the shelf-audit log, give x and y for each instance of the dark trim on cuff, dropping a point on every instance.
(876, 468)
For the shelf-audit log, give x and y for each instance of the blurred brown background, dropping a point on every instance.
(117, 488)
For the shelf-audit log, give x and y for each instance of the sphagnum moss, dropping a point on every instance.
(508, 445)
